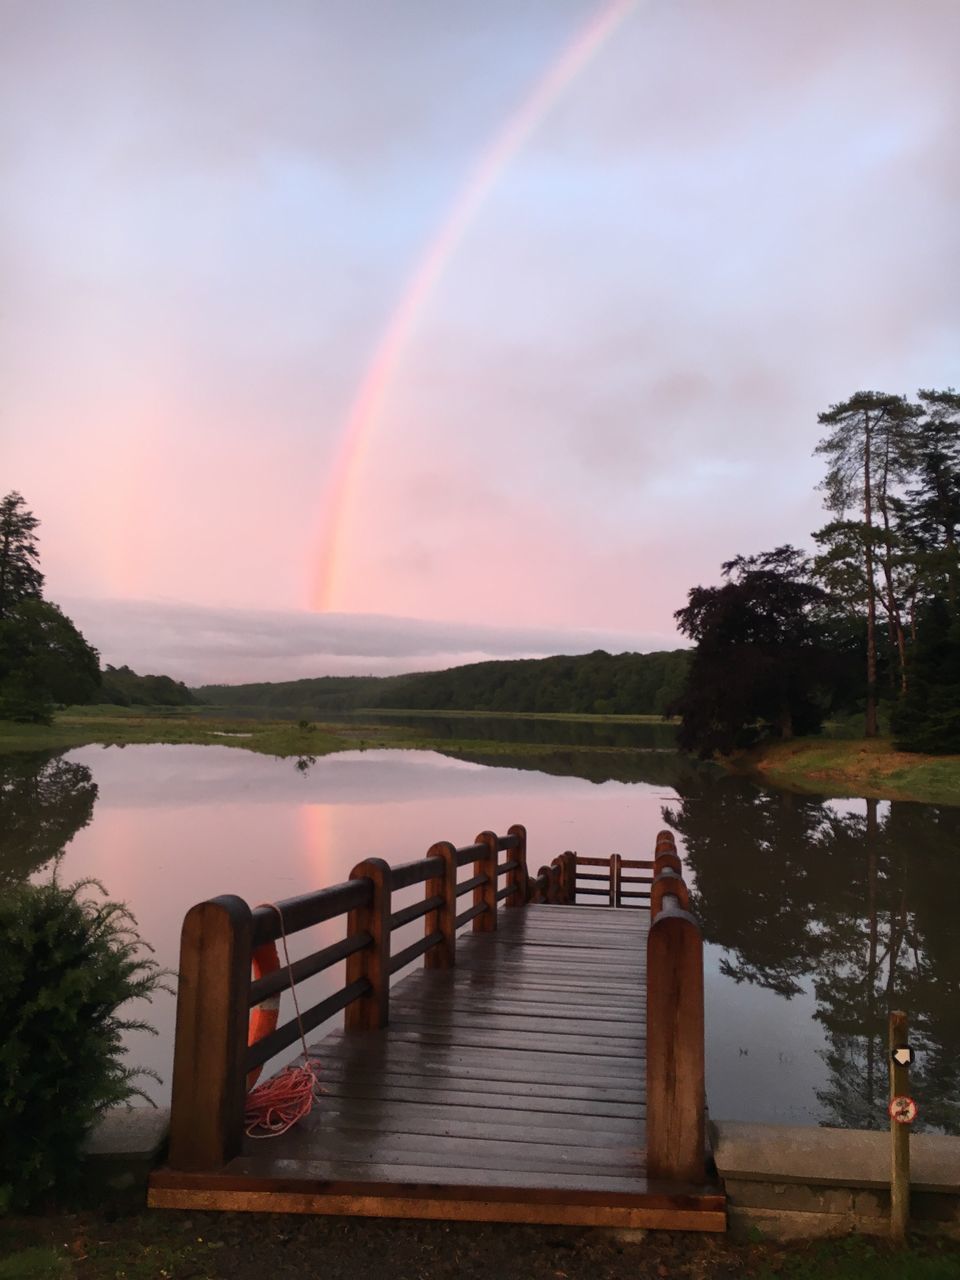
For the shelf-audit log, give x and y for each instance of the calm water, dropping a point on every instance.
(818, 915)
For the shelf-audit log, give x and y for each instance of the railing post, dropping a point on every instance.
(213, 1014)
(486, 921)
(543, 895)
(569, 878)
(371, 1011)
(518, 879)
(613, 880)
(675, 1065)
(444, 919)
(667, 882)
(617, 886)
(559, 879)
(665, 854)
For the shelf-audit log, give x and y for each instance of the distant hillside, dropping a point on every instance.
(619, 684)
(122, 687)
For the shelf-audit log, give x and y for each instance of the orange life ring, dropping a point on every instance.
(264, 1016)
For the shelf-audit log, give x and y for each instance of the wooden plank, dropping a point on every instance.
(554, 1188)
(436, 1151)
(472, 1068)
(621, 1032)
(434, 1116)
(589, 1054)
(533, 1022)
(506, 1095)
(430, 1206)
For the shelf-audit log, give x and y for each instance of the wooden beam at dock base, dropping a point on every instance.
(671, 1212)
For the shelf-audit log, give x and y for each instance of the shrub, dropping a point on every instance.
(70, 960)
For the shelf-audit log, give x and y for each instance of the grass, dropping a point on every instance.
(78, 726)
(856, 1258)
(583, 717)
(37, 1262)
(109, 726)
(861, 767)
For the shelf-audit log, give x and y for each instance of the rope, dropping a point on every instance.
(276, 1105)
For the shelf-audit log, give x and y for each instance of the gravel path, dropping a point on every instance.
(208, 1246)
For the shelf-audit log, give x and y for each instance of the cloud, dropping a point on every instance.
(207, 645)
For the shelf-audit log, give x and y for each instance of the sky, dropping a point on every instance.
(716, 220)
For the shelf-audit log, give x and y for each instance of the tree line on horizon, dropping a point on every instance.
(596, 683)
(869, 622)
(45, 662)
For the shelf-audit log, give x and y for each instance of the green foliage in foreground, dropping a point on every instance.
(71, 959)
(35, 1263)
(857, 1258)
(594, 683)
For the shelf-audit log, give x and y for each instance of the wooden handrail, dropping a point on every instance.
(212, 1058)
(307, 910)
(218, 940)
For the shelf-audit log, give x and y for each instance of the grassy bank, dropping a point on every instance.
(109, 726)
(862, 767)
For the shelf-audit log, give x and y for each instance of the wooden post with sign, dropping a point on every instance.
(901, 1117)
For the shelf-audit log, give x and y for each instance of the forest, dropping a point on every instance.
(867, 622)
(596, 683)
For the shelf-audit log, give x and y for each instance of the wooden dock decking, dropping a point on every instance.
(509, 1087)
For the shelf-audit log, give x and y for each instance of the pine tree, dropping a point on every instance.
(20, 576)
(870, 450)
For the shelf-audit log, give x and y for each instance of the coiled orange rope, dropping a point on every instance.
(276, 1105)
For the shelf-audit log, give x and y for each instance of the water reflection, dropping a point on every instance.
(855, 899)
(819, 916)
(44, 801)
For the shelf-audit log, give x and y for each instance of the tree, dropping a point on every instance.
(930, 513)
(44, 660)
(20, 576)
(759, 662)
(869, 450)
(928, 718)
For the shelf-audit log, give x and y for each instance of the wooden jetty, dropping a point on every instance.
(546, 1067)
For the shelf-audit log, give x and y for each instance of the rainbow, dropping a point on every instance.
(368, 401)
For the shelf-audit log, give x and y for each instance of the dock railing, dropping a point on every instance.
(676, 1097)
(213, 1061)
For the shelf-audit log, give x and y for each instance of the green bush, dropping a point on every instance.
(70, 960)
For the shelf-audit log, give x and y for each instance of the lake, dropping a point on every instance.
(818, 915)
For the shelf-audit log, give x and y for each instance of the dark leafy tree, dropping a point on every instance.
(759, 665)
(20, 576)
(928, 718)
(44, 661)
(123, 687)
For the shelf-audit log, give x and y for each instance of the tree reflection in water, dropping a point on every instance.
(44, 801)
(856, 898)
